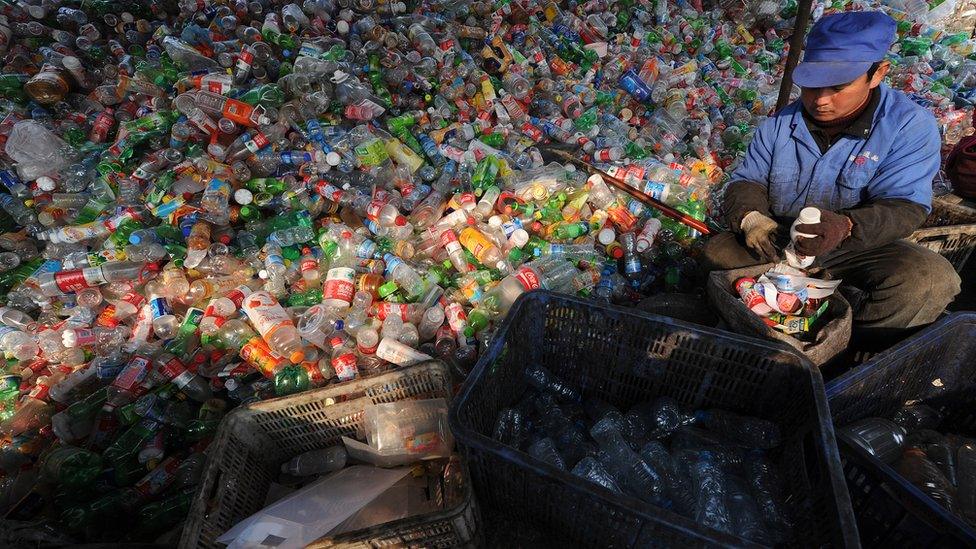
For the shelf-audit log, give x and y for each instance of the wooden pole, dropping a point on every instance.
(796, 46)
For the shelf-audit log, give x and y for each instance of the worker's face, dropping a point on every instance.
(829, 104)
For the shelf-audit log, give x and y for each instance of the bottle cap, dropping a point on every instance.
(387, 289)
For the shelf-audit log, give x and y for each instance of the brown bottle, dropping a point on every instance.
(918, 469)
(48, 86)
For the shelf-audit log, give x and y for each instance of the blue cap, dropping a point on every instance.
(843, 46)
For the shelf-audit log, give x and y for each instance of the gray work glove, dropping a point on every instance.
(760, 231)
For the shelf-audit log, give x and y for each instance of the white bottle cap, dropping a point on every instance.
(809, 216)
(342, 26)
(46, 184)
(333, 158)
(606, 236)
(243, 197)
(519, 238)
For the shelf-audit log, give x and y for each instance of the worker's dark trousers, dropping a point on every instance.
(905, 284)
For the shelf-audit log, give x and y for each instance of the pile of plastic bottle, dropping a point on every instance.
(709, 465)
(207, 203)
(916, 443)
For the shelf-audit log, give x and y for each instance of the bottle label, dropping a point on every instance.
(397, 353)
(339, 285)
(367, 350)
(71, 281)
(477, 243)
(39, 392)
(264, 311)
(173, 369)
(256, 143)
(133, 298)
(183, 379)
(329, 191)
(528, 278)
(84, 337)
(133, 374)
(307, 265)
(159, 307)
(345, 366)
(386, 309)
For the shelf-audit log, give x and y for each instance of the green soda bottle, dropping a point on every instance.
(161, 515)
(127, 446)
(71, 467)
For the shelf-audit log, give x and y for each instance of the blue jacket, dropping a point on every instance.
(897, 160)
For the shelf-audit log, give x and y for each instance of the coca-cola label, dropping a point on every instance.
(528, 278)
(339, 285)
(308, 265)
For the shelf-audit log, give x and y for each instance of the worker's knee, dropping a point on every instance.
(925, 275)
(723, 251)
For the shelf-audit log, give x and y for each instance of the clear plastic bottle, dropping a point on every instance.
(635, 475)
(594, 471)
(274, 324)
(710, 486)
(740, 430)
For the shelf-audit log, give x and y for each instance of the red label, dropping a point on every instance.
(308, 265)
(71, 281)
(39, 392)
(386, 309)
(214, 87)
(133, 374)
(339, 284)
(246, 57)
(134, 298)
(345, 366)
(172, 369)
(528, 278)
(329, 191)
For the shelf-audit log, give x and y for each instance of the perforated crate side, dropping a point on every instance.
(254, 440)
(624, 358)
(936, 366)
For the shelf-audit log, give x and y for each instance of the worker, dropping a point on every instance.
(862, 153)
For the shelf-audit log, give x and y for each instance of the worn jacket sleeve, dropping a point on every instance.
(748, 188)
(882, 222)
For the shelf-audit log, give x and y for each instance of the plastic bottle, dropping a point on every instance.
(316, 462)
(916, 468)
(808, 216)
(274, 324)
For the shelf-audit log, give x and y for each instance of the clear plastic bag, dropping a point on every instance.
(414, 427)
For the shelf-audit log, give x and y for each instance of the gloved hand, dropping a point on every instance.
(831, 231)
(759, 231)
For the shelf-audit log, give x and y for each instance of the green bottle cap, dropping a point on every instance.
(387, 289)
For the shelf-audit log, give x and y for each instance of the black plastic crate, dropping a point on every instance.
(936, 366)
(625, 357)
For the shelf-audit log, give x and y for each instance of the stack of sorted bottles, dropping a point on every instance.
(915, 443)
(206, 203)
(709, 465)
